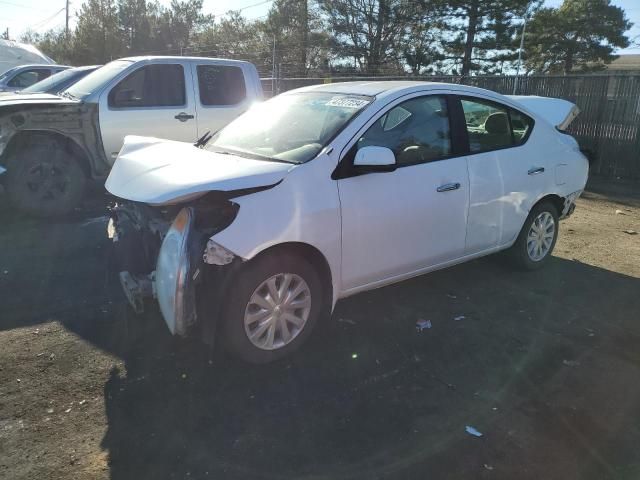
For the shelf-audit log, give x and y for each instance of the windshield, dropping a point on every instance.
(50, 84)
(97, 79)
(8, 73)
(292, 128)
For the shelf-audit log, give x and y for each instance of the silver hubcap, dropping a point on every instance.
(277, 311)
(540, 237)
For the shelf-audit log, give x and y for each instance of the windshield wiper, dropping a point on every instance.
(204, 139)
(66, 94)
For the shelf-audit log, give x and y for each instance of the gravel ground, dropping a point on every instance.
(545, 365)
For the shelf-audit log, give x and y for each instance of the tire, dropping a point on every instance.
(275, 265)
(545, 214)
(45, 180)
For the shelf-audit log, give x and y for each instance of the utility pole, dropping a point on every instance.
(273, 69)
(524, 30)
(304, 25)
(66, 21)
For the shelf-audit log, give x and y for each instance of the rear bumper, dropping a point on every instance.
(569, 204)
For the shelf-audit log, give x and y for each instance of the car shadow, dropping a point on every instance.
(370, 396)
(543, 364)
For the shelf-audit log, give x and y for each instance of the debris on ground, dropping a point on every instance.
(630, 232)
(459, 317)
(346, 320)
(620, 212)
(472, 431)
(451, 296)
(67, 410)
(422, 324)
(354, 355)
(571, 363)
(82, 402)
(488, 467)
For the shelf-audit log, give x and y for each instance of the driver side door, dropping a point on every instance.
(154, 100)
(400, 223)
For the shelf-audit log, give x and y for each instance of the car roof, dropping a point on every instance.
(180, 58)
(86, 67)
(392, 88)
(382, 88)
(39, 65)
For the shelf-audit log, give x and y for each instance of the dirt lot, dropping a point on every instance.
(545, 365)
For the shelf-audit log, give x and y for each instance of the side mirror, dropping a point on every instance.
(375, 159)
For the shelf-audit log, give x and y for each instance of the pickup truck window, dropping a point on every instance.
(221, 85)
(150, 86)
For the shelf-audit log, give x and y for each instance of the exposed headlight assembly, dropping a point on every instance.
(173, 283)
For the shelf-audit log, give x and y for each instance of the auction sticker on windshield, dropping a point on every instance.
(347, 102)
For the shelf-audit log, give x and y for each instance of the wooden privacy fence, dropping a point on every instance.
(608, 124)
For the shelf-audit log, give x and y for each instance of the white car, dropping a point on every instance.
(330, 190)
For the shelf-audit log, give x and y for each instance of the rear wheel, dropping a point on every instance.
(537, 239)
(45, 180)
(273, 305)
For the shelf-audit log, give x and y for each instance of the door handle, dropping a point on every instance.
(183, 116)
(447, 187)
(536, 170)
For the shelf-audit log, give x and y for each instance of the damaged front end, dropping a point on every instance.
(161, 251)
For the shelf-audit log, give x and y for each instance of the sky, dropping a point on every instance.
(42, 15)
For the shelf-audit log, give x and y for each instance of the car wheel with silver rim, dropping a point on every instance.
(273, 303)
(537, 238)
(541, 235)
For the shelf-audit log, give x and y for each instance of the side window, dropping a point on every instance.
(521, 125)
(416, 131)
(221, 85)
(150, 86)
(29, 77)
(487, 125)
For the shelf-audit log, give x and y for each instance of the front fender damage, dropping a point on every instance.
(75, 121)
(138, 231)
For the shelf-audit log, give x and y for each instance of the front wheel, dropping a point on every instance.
(45, 180)
(537, 238)
(273, 305)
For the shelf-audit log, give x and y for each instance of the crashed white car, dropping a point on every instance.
(331, 190)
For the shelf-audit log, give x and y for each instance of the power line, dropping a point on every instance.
(19, 5)
(41, 23)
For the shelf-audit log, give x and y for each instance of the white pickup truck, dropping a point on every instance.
(51, 145)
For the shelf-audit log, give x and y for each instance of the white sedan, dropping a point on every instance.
(320, 193)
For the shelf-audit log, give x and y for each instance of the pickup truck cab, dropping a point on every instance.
(50, 145)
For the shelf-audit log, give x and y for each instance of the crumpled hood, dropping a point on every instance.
(156, 171)
(10, 98)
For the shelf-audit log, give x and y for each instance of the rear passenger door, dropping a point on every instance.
(221, 94)
(506, 175)
(154, 100)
